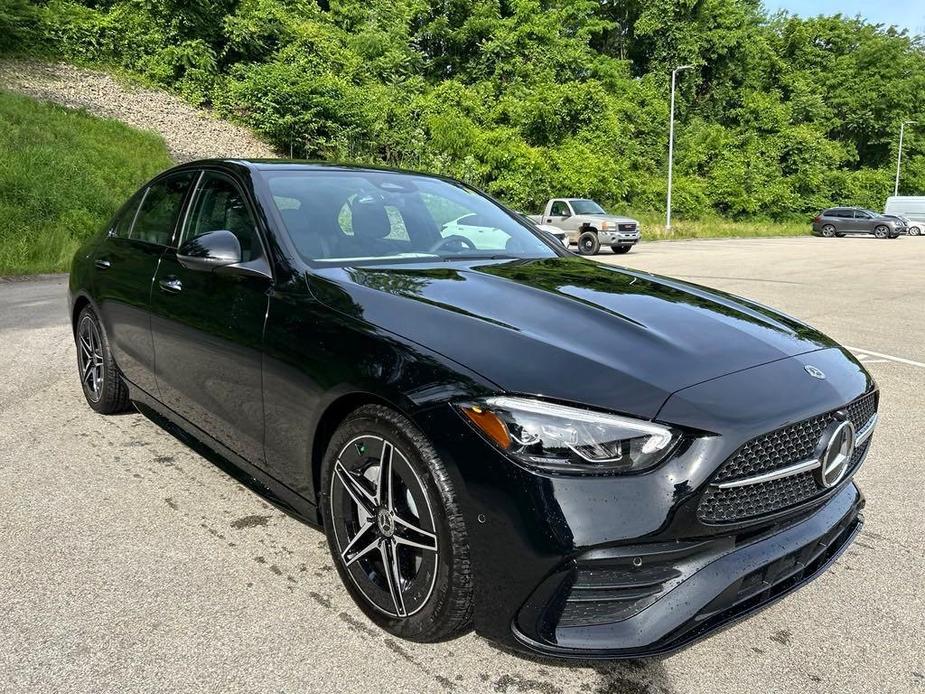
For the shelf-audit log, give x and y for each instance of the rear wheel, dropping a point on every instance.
(588, 243)
(394, 527)
(100, 379)
(828, 231)
(882, 231)
(620, 249)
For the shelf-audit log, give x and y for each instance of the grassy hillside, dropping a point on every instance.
(653, 227)
(62, 175)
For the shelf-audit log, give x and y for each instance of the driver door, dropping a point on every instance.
(862, 223)
(208, 326)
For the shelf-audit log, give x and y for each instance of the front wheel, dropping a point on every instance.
(588, 243)
(914, 231)
(100, 379)
(882, 232)
(620, 250)
(394, 527)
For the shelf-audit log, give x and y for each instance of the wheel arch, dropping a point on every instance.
(81, 301)
(333, 414)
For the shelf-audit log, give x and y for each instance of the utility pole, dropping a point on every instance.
(899, 153)
(671, 142)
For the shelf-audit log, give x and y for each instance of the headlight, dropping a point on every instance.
(606, 225)
(570, 439)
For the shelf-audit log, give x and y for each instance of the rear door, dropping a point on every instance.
(208, 325)
(125, 265)
(843, 219)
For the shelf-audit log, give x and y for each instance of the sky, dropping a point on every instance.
(908, 14)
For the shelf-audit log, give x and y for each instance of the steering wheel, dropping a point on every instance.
(453, 238)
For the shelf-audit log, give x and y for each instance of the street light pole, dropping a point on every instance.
(671, 142)
(899, 153)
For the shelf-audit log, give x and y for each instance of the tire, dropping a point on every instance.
(588, 243)
(828, 231)
(364, 529)
(620, 250)
(882, 232)
(914, 231)
(100, 378)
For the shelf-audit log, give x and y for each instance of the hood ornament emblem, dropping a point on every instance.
(814, 372)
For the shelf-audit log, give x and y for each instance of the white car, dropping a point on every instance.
(909, 207)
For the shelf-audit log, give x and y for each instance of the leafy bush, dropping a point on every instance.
(18, 24)
(530, 98)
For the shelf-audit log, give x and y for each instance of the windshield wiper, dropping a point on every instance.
(480, 256)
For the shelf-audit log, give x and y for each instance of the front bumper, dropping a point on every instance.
(682, 591)
(618, 238)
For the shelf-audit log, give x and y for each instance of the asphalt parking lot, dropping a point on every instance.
(130, 563)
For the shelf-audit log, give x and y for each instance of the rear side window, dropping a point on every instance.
(122, 224)
(157, 216)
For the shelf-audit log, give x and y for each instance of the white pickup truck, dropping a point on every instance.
(589, 226)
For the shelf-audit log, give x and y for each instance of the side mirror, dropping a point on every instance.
(566, 214)
(211, 250)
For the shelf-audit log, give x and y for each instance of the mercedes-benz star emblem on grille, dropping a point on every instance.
(814, 372)
(837, 455)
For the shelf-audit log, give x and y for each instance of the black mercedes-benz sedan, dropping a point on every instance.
(578, 460)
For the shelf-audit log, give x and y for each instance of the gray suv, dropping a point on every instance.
(838, 221)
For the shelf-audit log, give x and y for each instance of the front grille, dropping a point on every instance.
(626, 227)
(792, 444)
(779, 449)
(741, 503)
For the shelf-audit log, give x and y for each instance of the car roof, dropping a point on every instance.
(303, 165)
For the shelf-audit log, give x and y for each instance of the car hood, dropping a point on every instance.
(569, 328)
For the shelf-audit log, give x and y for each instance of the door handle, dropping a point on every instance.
(171, 285)
(102, 264)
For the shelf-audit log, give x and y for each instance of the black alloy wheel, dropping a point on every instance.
(588, 243)
(394, 528)
(100, 379)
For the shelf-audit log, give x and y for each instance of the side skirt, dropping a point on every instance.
(248, 474)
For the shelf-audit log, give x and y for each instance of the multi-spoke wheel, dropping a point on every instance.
(99, 377)
(394, 528)
(90, 358)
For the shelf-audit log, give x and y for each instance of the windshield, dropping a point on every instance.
(356, 216)
(587, 207)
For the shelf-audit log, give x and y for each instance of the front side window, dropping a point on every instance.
(219, 204)
(357, 216)
(157, 216)
(587, 207)
(559, 209)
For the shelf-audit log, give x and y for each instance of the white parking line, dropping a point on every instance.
(864, 353)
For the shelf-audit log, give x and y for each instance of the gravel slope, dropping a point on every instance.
(189, 133)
